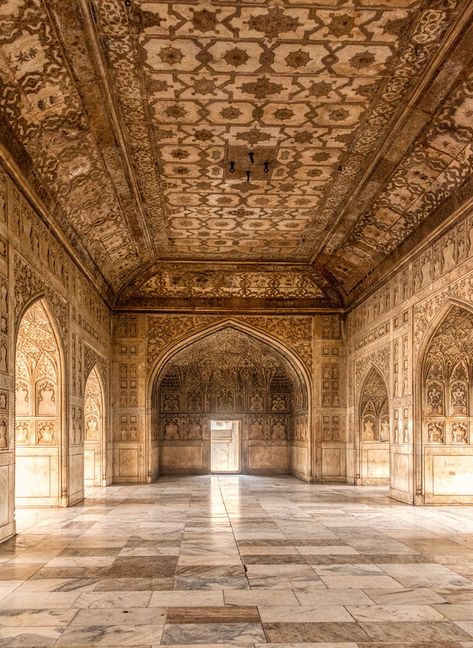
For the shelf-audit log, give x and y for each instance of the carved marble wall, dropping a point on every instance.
(34, 264)
(392, 329)
(228, 375)
(143, 342)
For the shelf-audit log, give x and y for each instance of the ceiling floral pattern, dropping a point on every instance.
(126, 118)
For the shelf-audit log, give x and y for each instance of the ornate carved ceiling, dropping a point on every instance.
(125, 119)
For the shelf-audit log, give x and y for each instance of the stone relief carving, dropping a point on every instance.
(331, 428)
(37, 379)
(231, 283)
(91, 359)
(28, 284)
(380, 358)
(446, 383)
(93, 407)
(294, 332)
(330, 385)
(374, 408)
(229, 373)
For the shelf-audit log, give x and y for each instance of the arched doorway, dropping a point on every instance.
(38, 409)
(224, 381)
(445, 392)
(374, 430)
(94, 426)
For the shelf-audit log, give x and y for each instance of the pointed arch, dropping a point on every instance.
(297, 365)
(94, 429)
(40, 424)
(176, 346)
(443, 408)
(374, 428)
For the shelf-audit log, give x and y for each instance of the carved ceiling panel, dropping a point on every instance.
(276, 283)
(126, 119)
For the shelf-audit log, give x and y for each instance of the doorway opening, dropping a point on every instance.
(225, 446)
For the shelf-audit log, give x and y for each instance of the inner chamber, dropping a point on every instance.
(230, 402)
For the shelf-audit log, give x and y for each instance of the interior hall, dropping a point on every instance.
(236, 323)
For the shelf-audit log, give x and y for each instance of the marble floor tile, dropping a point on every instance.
(188, 599)
(29, 637)
(39, 617)
(119, 616)
(415, 631)
(112, 599)
(303, 613)
(333, 597)
(209, 614)
(402, 596)
(110, 635)
(322, 550)
(323, 644)
(133, 584)
(456, 611)
(7, 587)
(260, 597)
(230, 560)
(42, 600)
(314, 632)
(412, 612)
(221, 633)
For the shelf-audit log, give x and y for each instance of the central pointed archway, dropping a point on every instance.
(232, 373)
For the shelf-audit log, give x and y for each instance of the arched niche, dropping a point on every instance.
(374, 429)
(94, 431)
(39, 407)
(445, 391)
(228, 374)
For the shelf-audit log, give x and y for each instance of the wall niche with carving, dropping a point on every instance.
(374, 429)
(38, 396)
(228, 375)
(447, 415)
(94, 440)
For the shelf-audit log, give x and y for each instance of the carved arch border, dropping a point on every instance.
(372, 361)
(174, 346)
(371, 365)
(61, 343)
(419, 370)
(94, 360)
(29, 286)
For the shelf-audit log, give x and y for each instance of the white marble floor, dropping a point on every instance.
(241, 561)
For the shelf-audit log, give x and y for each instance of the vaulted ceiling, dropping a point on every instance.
(125, 115)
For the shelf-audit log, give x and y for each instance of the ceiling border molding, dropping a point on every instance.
(81, 259)
(404, 121)
(140, 228)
